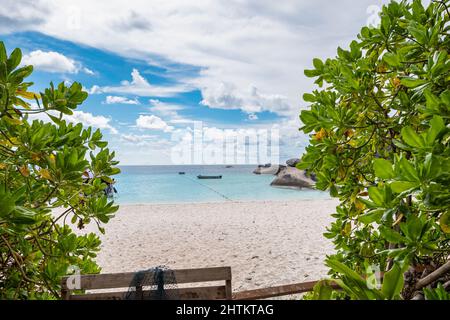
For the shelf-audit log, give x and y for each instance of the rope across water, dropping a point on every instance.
(210, 188)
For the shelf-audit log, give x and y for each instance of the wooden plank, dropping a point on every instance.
(202, 275)
(228, 292)
(123, 280)
(207, 293)
(65, 294)
(277, 291)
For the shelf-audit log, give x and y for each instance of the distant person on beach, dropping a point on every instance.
(110, 189)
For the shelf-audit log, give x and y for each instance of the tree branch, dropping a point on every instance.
(17, 259)
(438, 273)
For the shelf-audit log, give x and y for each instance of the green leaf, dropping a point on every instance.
(413, 83)
(401, 186)
(19, 74)
(438, 293)
(408, 172)
(333, 191)
(412, 138)
(391, 235)
(311, 73)
(371, 216)
(383, 168)
(344, 270)
(14, 59)
(444, 222)
(385, 24)
(318, 64)
(414, 227)
(445, 97)
(368, 203)
(365, 32)
(419, 32)
(392, 59)
(7, 203)
(22, 215)
(353, 283)
(392, 282)
(432, 100)
(376, 196)
(54, 119)
(308, 97)
(101, 144)
(308, 117)
(3, 54)
(436, 126)
(322, 291)
(355, 50)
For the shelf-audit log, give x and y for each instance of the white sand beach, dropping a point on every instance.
(265, 242)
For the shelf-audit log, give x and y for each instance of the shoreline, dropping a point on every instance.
(256, 201)
(266, 243)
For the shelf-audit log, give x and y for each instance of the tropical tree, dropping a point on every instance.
(379, 142)
(42, 188)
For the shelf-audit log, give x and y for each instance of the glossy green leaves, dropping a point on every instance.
(379, 131)
(52, 175)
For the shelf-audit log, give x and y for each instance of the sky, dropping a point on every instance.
(155, 69)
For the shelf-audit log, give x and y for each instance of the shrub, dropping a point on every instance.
(41, 167)
(379, 141)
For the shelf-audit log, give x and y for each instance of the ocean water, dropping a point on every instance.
(163, 184)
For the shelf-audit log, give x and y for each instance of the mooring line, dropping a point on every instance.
(212, 189)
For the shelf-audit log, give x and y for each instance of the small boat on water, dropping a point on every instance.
(228, 167)
(181, 172)
(208, 177)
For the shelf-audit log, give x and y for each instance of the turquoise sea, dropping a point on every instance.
(163, 184)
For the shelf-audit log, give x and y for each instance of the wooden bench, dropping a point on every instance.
(121, 282)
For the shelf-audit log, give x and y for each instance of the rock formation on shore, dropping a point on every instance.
(294, 178)
(292, 162)
(287, 176)
(269, 169)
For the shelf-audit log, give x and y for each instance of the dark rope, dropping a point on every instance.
(212, 189)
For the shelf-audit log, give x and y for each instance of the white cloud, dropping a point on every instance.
(262, 43)
(88, 71)
(120, 100)
(238, 46)
(86, 118)
(135, 149)
(28, 14)
(168, 111)
(133, 21)
(95, 89)
(227, 96)
(51, 61)
(165, 109)
(144, 140)
(152, 122)
(141, 87)
(134, 138)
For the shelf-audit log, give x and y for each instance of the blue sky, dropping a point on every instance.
(152, 68)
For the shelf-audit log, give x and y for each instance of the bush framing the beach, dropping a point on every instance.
(41, 167)
(379, 141)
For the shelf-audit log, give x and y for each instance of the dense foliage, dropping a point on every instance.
(41, 168)
(380, 134)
